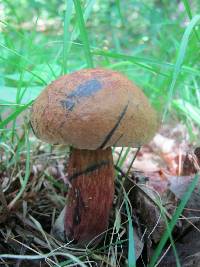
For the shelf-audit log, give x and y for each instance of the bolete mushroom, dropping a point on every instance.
(92, 110)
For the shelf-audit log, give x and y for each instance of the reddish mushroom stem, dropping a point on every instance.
(91, 174)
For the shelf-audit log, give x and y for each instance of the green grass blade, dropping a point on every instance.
(142, 61)
(26, 69)
(123, 158)
(187, 8)
(83, 33)
(131, 243)
(66, 39)
(189, 13)
(14, 11)
(76, 31)
(188, 110)
(120, 154)
(132, 161)
(14, 115)
(27, 172)
(133, 59)
(172, 223)
(117, 2)
(179, 61)
(163, 213)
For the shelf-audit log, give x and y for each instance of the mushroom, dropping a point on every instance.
(91, 110)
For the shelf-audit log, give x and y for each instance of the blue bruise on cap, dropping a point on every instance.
(85, 89)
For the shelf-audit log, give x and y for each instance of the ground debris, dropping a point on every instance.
(187, 248)
(160, 175)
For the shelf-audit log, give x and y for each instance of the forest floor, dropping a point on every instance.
(156, 184)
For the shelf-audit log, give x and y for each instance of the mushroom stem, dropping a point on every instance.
(90, 196)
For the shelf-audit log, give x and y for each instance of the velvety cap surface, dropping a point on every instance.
(93, 108)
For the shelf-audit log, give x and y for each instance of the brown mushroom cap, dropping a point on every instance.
(91, 109)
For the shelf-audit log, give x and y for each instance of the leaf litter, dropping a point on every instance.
(160, 174)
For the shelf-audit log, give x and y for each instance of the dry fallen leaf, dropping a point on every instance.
(166, 169)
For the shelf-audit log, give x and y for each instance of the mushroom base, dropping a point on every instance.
(90, 197)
